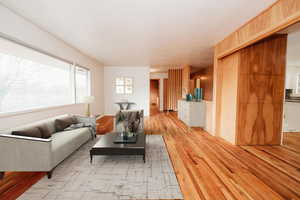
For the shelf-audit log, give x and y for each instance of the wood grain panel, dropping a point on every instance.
(261, 92)
(165, 93)
(174, 88)
(259, 124)
(186, 72)
(206, 82)
(229, 86)
(277, 17)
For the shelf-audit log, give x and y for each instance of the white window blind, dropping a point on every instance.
(82, 81)
(30, 80)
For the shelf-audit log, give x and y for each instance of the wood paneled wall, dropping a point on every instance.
(229, 90)
(206, 81)
(252, 79)
(261, 92)
(186, 72)
(174, 88)
(280, 15)
(165, 93)
(277, 17)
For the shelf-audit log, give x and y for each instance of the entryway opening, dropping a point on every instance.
(154, 96)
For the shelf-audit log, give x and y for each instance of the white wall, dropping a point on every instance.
(291, 117)
(209, 116)
(161, 77)
(291, 77)
(141, 90)
(21, 29)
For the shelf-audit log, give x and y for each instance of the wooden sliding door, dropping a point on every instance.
(261, 92)
(251, 93)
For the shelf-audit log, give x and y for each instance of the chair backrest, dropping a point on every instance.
(140, 113)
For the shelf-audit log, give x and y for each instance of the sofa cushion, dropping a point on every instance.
(46, 133)
(66, 142)
(63, 123)
(30, 132)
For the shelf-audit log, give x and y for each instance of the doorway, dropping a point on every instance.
(291, 125)
(154, 96)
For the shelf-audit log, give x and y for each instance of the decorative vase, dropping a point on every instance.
(189, 97)
(198, 94)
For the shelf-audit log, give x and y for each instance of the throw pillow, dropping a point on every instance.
(61, 124)
(30, 132)
(46, 133)
(75, 126)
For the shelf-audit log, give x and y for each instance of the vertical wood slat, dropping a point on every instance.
(174, 88)
(166, 97)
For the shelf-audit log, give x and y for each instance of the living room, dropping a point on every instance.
(149, 100)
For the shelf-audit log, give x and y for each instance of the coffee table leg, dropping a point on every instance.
(144, 158)
(91, 155)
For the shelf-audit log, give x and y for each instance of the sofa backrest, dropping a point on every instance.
(48, 122)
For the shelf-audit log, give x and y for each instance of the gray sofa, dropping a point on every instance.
(21, 153)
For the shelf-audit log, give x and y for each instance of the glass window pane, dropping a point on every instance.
(128, 90)
(120, 81)
(82, 84)
(26, 84)
(120, 89)
(128, 81)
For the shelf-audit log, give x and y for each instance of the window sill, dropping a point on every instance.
(11, 114)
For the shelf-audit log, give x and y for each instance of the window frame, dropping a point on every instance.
(298, 84)
(124, 85)
(75, 82)
(73, 66)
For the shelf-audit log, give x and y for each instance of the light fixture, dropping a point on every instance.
(88, 100)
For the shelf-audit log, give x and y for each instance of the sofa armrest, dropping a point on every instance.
(18, 153)
(25, 138)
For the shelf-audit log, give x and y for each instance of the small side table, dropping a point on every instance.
(125, 105)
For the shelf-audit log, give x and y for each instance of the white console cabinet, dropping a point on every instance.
(192, 113)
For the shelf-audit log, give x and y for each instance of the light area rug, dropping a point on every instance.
(111, 177)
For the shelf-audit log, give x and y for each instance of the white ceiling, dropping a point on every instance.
(141, 32)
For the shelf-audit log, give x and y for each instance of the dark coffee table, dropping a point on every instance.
(106, 146)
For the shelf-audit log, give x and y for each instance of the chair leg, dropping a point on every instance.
(2, 175)
(49, 174)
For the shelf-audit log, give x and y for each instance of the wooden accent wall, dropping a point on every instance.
(261, 92)
(206, 82)
(252, 80)
(165, 93)
(229, 90)
(174, 88)
(186, 72)
(277, 17)
(280, 15)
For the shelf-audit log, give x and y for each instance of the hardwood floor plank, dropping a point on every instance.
(274, 161)
(207, 167)
(283, 154)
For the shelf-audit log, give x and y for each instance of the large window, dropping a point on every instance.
(82, 81)
(298, 84)
(30, 80)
